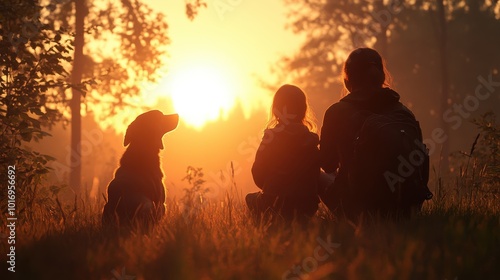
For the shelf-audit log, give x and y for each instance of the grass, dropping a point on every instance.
(452, 239)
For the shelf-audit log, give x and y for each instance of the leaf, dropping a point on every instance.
(26, 136)
(42, 171)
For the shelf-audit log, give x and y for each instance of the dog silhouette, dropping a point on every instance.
(136, 195)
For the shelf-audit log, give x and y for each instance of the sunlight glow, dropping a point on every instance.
(201, 94)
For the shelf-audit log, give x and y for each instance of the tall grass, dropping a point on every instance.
(454, 238)
(457, 236)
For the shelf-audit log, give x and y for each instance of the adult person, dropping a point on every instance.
(366, 169)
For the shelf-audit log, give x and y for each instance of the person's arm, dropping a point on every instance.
(329, 157)
(260, 167)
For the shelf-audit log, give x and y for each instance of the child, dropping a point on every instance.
(286, 166)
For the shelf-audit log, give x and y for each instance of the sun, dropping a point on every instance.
(202, 93)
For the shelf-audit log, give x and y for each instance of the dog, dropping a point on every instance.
(136, 195)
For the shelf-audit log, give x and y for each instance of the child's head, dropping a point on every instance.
(364, 68)
(290, 106)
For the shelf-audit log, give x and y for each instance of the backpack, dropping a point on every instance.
(389, 168)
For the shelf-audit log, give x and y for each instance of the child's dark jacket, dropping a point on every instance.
(287, 163)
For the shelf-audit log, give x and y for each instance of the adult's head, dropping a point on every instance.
(365, 69)
(290, 106)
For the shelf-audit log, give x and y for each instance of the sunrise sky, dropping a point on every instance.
(216, 60)
(214, 66)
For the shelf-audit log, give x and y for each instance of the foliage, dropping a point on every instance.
(412, 54)
(489, 151)
(333, 28)
(32, 54)
(125, 48)
(194, 196)
(477, 170)
(121, 43)
(405, 33)
(473, 40)
(449, 240)
(192, 7)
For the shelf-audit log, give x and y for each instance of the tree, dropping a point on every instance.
(32, 58)
(138, 38)
(333, 28)
(431, 48)
(461, 38)
(76, 96)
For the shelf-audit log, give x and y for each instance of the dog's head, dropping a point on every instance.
(149, 128)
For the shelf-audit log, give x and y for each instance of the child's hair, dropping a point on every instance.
(290, 106)
(365, 67)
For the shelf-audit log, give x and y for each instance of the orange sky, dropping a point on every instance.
(212, 83)
(219, 54)
(235, 44)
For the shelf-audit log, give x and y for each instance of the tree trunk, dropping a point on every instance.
(442, 42)
(75, 105)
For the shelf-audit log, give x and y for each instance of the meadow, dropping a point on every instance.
(59, 60)
(456, 237)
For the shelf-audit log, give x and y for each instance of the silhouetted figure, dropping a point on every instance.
(286, 166)
(136, 195)
(373, 144)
